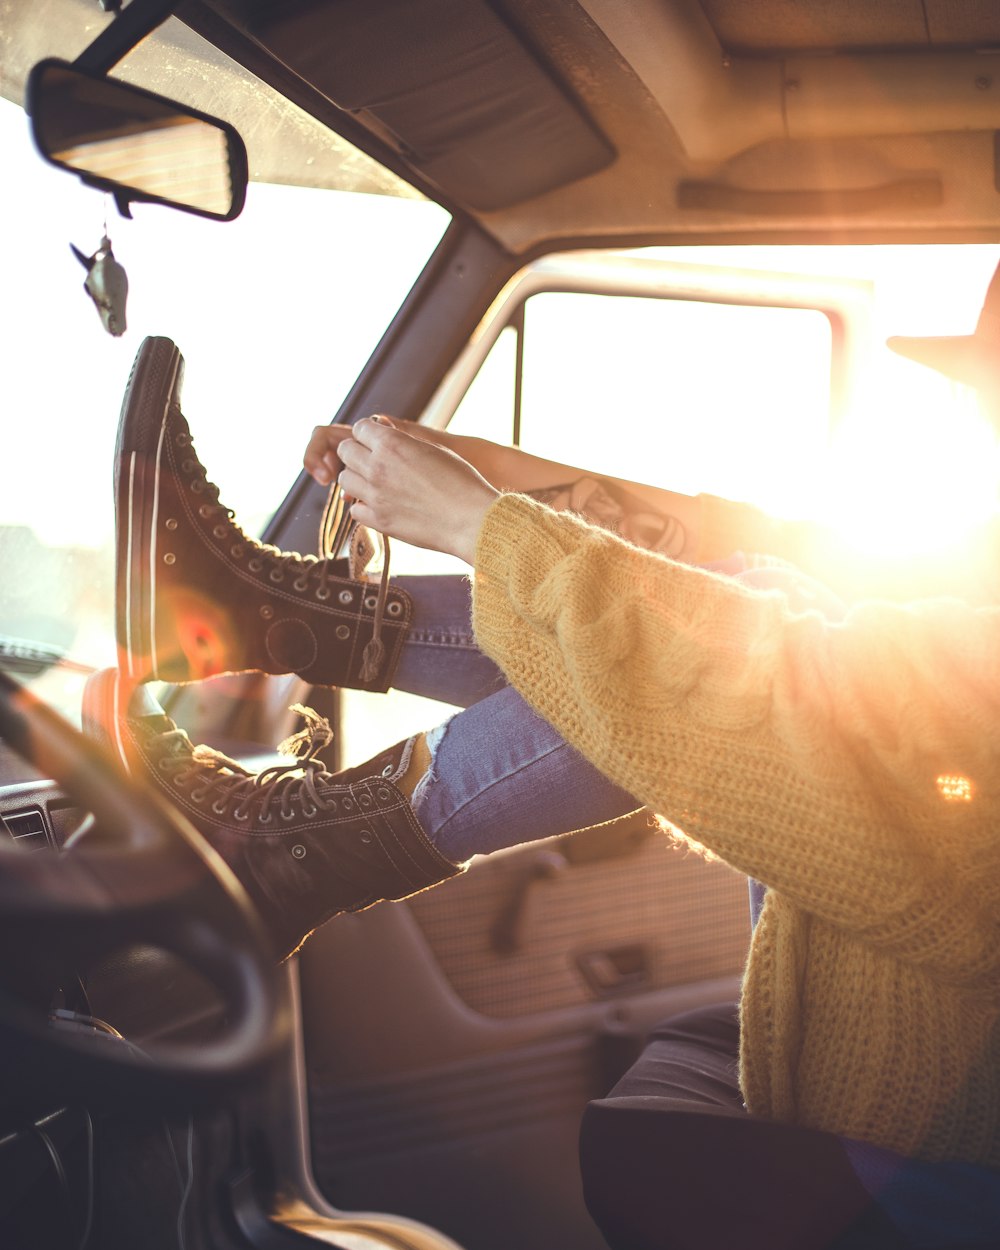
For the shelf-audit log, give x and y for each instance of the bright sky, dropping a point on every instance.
(275, 314)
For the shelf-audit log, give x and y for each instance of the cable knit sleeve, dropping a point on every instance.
(855, 767)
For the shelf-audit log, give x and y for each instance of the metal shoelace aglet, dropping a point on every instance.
(373, 656)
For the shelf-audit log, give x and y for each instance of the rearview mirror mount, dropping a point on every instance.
(138, 146)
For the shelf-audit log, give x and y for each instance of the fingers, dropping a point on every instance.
(354, 485)
(362, 458)
(363, 514)
(355, 460)
(367, 454)
(321, 458)
(371, 431)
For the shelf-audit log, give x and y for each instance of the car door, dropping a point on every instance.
(450, 1042)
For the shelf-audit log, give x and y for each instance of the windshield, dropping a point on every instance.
(275, 313)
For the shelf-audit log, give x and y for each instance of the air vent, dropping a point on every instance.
(27, 829)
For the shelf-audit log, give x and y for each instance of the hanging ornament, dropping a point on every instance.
(107, 285)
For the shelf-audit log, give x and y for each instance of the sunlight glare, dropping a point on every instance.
(917, 473)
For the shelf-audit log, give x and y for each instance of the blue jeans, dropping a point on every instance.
(500, 774)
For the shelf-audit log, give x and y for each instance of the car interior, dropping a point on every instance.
(664, 240)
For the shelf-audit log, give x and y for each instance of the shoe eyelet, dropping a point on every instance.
(264, 818)
(197, 485)
(394, 608)
(220, 808)
(236, 551)
(385, 795)
(331, 805)
(365, 800)
(169, 558)
(255, 565)
(370, 602)
(219, 531)
(170, 523)
(182, 439)
(345, 597)
(309, 811)
(187, 466)
(300, 583)
(298, 851)
(366, 835)
(323, 593)
(164, 764)
(348, 805)
(277, 575)
(198, 795)
(287, 815)
(241, 815)
(342, 632)
(205, 511)
(387, 771)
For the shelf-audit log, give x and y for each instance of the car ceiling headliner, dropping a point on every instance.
(860, 120)
(581, 121)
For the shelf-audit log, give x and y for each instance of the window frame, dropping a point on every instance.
(846, 302)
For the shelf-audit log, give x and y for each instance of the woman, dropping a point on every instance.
(852, 767)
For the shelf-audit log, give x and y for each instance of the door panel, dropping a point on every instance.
(452, 1042)
(543, 929)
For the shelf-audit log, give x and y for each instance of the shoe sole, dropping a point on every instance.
(139, 450)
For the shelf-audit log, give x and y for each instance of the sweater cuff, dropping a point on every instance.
(502, 525)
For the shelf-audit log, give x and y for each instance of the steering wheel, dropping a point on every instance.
(150, 878)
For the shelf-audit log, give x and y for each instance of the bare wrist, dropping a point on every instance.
(465, 536)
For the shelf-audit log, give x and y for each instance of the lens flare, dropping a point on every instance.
(916, 473)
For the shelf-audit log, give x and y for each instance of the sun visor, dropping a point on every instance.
(450, 84)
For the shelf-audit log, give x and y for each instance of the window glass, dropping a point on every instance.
(734, 399)
(487, 408)
(275, 314)
(694, 396)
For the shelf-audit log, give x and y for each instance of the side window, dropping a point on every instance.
(731, 399)
(728, 398)
(487, 408)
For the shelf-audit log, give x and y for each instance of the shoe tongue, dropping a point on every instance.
(162, 735)
(146, 712)
(143, 704)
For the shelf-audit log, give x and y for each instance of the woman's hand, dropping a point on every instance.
(321, 458)
(411, 489)
(496, 464)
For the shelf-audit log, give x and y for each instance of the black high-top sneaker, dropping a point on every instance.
(305, 844)
(196, 596)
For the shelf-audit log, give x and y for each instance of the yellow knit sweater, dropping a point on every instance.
(853, 768)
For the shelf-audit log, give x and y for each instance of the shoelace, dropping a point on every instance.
(336, 529)
(235, 790)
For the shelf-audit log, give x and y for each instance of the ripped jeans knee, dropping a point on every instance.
(500, 775)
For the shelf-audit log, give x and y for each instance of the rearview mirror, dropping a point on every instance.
(134, 144)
